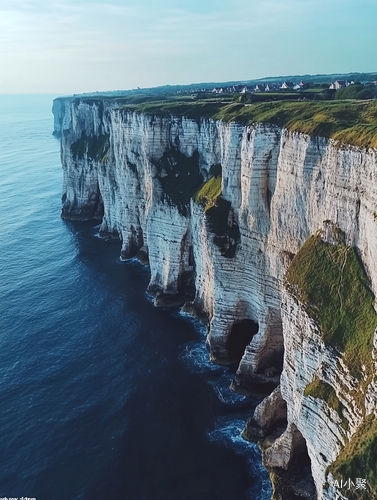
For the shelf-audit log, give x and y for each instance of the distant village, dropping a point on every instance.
(278, 87)
(259, 90)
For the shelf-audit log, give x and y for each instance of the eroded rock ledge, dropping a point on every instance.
(219, 211)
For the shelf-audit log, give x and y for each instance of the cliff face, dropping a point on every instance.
(139, 174)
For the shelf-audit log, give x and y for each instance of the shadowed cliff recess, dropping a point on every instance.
(240, 336)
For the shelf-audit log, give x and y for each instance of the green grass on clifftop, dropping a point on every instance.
(331, 282)
(349, 122)
(178, 107)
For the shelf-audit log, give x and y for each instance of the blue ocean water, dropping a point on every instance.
(102, 396)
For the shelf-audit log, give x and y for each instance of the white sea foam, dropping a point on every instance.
(221, 386)
(195, 356)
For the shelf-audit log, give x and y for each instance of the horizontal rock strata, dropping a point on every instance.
(139, 173)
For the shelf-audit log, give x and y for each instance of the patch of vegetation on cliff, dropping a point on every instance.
(358, 459)
(95, 147)
(322, 390)
(330, 281)
(209, 192)
(180, 177)
(218, 213)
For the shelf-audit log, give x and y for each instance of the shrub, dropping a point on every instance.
(356, 92)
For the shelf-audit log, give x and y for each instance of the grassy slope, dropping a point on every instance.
(331, 282)
(358, 459)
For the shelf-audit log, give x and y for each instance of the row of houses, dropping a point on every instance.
(340, 84)
(260, 87)
(276, 87)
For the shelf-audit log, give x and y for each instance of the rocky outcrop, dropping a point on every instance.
(269, 416)
(284, 451)
(139, 173)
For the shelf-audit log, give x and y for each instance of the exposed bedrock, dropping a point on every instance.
(284, 450)
(227, 250)
(289, 464)
(270, 416)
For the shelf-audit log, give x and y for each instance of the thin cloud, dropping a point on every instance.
(149, 43)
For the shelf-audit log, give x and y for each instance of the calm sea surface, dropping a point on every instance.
(102, 396)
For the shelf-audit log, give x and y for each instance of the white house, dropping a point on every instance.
(287, 85)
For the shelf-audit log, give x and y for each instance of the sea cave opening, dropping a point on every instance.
(240, 336)
(298, 478)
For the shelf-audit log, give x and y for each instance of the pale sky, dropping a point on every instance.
(73, 46)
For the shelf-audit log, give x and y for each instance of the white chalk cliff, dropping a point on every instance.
(138, 172)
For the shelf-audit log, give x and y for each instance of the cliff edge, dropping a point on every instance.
(270, 233)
